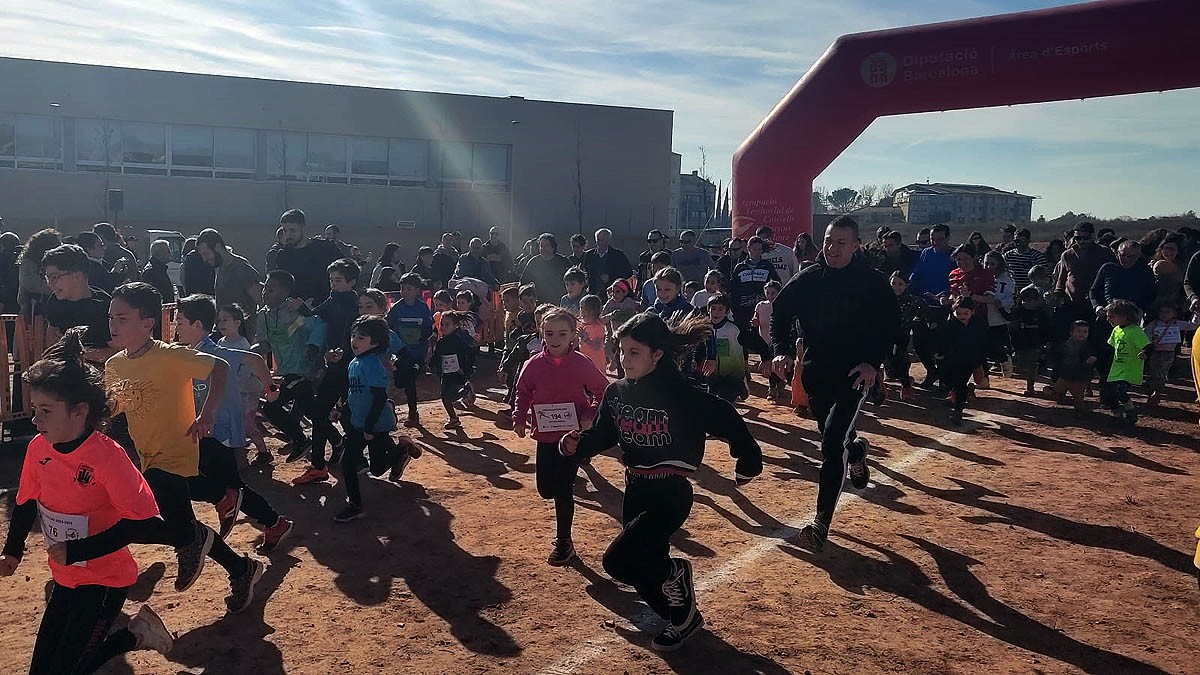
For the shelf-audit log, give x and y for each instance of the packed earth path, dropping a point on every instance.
(1026, 541)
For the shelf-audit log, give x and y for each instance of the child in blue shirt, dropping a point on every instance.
(372, 419)
(413, 322)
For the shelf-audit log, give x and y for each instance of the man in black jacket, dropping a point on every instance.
(847, 313)
(307, 259)
(605, 264)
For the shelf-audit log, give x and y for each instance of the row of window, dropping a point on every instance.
(36, 142)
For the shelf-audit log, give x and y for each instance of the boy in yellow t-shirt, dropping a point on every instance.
(1130, 346)
(151, 382)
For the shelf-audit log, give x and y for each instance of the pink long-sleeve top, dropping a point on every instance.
(546, 380)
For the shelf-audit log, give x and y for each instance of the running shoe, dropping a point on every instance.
(672, 637)
(406, 452)
(298, 451)
(562, 553)
(413, 421)
(469, 395)
(227, 511)
(192, 556)
(241, 589)
(813, 536)
(351, 512)
(262, 459)
(452, 424)
(908, 394)
(151, 632)
(860, 475)
(680, 593)
(312, 475)
(275, 534)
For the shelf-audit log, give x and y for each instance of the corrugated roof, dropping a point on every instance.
(957, 189)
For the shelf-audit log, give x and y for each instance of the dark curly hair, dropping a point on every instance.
(63, 373)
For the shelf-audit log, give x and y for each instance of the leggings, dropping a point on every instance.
(406, 379)
(174, 496)
(956, 377)
(297, 390)
(898, 365)
(218, 463)
(72, 637)
(652, 511)
(332, 387)
(999, 345)
(836, 410)
(381, 453)
(556, 480)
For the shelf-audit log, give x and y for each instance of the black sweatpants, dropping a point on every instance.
(73, 637)
(331, 389)
(653, 509)
(381, 454)
(556, 480)
(898, 364)
(218, 463)
(298, 391)
(174, 496)
(835, 408)
(999, 344)
(453, 388)
(956, 378)
(406, 379)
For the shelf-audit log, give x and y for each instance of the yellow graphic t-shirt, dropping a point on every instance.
(155, 393)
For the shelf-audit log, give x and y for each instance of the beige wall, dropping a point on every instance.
(624, 158)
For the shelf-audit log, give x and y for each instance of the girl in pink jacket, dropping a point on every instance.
(558, 392)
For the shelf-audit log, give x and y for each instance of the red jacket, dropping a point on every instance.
(574, 379)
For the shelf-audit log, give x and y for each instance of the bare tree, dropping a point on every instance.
(703, 172)
(885, 191)
(577, 198)
(866, 196)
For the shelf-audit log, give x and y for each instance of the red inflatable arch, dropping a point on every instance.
(1079, 51)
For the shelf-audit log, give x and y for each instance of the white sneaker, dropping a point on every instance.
(150, 631)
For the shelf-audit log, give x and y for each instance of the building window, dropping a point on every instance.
(456, 161)
(144, 148)
(327, 159)
(31, 142)
(369, 161)
(287, 156)
(489, 163)
(408, 161)
(233, 153)
(191, 151)
(98, 145)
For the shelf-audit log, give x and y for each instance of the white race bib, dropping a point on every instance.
(450, 364)
(555, 417)
(58, 528)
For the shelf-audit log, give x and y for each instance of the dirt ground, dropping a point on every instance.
(1025, 542)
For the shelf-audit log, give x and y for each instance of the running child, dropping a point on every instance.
(712, 286)
(1166, 333)
(518, 340)
(963, 347)
(898, 364)
(999, 308)
(558, 391)
(690, 289)
(284, 332)
(1029, 330)
(81, 483)
(373, 302)
(669, 303)
(231, 324)
(575, 280)
(1131, 346)
(591, 332)
(727, 379)
(443, 301)
(372, 418)
(660, 420)
(194, 318)
(620, 308)
(454, 362)
(412, 321)
(762, 322)
(1073, 362)
(658, 262)
(151, 382)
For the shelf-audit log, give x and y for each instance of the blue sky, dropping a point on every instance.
(719, 65)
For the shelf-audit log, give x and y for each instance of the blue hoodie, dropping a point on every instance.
(413, 324)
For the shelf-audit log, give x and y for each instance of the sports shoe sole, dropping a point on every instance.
(205, 547)
(554, 561)
(265, 548)
(808, 539)
(256, 569)
(154, 625)
(697, 625)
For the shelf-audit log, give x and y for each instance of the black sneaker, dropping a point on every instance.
(813, 536)
(680, 594)
(351, 512)
(672, 638)
(191, 557)
(241, 589)
(562, 553)
(860, 475)
(956, 418)
(299, 450)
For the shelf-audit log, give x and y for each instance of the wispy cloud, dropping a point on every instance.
(720, 65)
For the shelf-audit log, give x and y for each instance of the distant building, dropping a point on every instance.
(871, 217)
(933, 203)
(697, 199)
(674, 203)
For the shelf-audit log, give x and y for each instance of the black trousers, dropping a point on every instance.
(73, 637)
(556, 480)
(453, 387)
(174, 496)
(406, 379)
(898, 364)
(835, 408)
(956, 378)
(381, 454)
(652, 511)
(299, 391)
(999, 344)
(218, 463)
(332, 388)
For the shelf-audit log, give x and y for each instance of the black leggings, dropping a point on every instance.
(454, 386)
(836, 411)
(381, 451)
(174, 496)
(556, 480)
(956, 377)
(299, 391)
(999, 344)
(218, 463)
(652, 511)
(73, 637)
(898, 363)
(406, 379)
